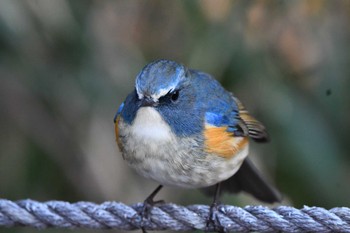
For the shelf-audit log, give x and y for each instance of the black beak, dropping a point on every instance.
(148, 102)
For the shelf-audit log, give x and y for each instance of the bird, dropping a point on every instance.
(181, 128)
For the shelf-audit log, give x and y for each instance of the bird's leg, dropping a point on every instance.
(148, 204)
(214, 205)
(213, 218)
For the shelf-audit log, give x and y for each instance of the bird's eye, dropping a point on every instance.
(175, 96)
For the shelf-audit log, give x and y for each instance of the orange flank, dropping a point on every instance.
(117, 132)
(223, 143)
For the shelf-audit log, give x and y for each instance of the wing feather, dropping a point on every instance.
(250, 126)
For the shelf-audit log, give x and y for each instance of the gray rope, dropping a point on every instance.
(59, 214)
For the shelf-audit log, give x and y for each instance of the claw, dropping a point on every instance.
(213, 217)
(147, 207)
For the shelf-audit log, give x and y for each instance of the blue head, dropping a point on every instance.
(182, 97)
(160, 78)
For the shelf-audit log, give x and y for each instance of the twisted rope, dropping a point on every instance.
(59, 214)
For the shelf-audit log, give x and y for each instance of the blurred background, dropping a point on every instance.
(66, 66)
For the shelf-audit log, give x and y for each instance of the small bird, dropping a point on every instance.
(180, 127)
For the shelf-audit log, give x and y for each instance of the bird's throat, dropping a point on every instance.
(149, 125)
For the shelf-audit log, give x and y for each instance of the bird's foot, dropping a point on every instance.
(148, 204)
(146, 209)
(213, 219)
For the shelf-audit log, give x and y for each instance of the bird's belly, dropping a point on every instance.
(152, 149)
(177, 163)
(189, 171)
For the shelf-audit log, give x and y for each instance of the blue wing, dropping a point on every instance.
(222, 120)
(220, 107)
(237, 120)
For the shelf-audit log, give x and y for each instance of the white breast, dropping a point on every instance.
(150, 145)
(149, 125)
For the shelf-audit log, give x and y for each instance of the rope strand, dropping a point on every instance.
(116, 215)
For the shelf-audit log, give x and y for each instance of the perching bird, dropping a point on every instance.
(180, 127)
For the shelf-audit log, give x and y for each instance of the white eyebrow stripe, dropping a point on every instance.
(162, 92)
(139, 94)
